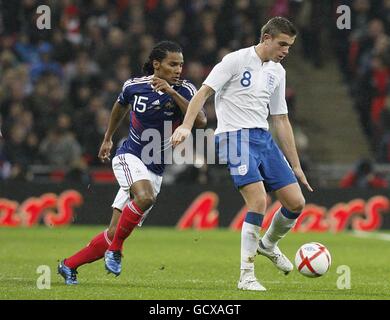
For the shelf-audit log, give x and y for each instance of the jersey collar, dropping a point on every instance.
(257, 58)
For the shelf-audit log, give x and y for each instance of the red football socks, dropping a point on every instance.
(93, 251)
(130, 217)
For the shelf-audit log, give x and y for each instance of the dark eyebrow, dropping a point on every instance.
(283, 43)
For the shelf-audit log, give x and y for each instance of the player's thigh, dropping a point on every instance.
(255, 196)
(156, 181)
(133, 176)
(122, 198)
(235, 150)
(291, 197)
(143, 190)
(275, 169)
(147, 188)
(151, 186)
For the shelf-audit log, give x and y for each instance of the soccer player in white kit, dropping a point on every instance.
(249, 84)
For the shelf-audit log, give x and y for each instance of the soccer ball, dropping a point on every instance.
(313, 259)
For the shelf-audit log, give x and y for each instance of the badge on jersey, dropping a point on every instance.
(271, 81)
(243, 170)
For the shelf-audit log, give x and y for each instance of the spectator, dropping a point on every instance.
(45, 65)
(15, 151)
(363, 176)
(194, 71)
(364, 59)
(71, 23)
(77, 67)
(93, 135)
(5, 166)
(383, 154)
(116, 47)
(60, 148)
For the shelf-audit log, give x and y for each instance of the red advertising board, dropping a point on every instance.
(197, 207)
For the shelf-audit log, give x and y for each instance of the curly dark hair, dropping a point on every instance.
(159, 52)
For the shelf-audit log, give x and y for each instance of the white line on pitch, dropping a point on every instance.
(372, 235)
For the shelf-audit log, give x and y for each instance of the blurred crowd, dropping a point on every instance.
(57, 86)
(363, 53)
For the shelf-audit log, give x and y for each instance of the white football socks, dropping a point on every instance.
(279, 227)
(250, 236)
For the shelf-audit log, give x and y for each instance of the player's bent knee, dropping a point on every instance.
(145, 201)
(298, 205)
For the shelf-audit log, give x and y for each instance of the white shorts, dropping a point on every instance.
(129, 169)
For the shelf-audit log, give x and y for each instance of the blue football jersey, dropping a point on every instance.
(150, 110)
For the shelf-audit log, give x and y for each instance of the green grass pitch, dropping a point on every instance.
(164, 264)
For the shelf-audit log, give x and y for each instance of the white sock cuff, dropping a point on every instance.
(250, 227)
(279, 216)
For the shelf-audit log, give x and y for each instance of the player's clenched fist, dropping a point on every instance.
(179, 135)
(161, 85)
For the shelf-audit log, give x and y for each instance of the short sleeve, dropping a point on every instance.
(187, 90)
(278, 104)
(223, 72)
(125, 96)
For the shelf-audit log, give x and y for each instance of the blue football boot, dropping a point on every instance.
(112, 261)
(70, 275)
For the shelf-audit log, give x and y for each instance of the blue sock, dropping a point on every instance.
(289, 214)
(254, 218)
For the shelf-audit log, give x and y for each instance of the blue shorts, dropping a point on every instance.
(251, 156)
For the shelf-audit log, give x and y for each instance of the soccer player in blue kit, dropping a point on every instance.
(156, 100)
(249, 84)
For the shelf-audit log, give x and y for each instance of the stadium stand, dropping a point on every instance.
(57, 86)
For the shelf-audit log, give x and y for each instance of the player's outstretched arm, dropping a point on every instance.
(194, 107)
(285, 136)
(117, 114)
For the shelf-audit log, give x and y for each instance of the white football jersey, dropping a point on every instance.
(247, 90)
